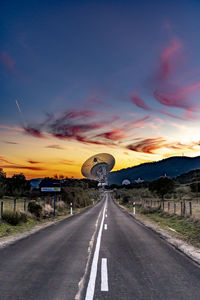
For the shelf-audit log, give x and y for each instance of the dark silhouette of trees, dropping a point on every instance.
(2, 183)
(162, 186)
(17, 185)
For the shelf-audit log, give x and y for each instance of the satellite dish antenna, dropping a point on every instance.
(126, 182)
(98, 167)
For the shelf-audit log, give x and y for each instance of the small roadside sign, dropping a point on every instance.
(50, 189)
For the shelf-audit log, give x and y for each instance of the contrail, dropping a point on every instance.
(18, 106)
(21, 114)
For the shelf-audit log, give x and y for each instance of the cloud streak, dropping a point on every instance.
(151, 145)
(139, 102)
(58, 147)
(165, 89)
(11, 143)
(33, 162)
(22, 167)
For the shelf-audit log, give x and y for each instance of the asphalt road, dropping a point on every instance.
(102, 253)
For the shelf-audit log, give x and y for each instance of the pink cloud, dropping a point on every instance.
(139, 102)
(114, 135)
(33, 132)
(16, 128)
(7, 61)
(147, 145)
(169, 57)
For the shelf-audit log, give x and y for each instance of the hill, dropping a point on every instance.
(172, 167)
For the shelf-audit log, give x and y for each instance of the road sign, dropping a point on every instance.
(51, 189)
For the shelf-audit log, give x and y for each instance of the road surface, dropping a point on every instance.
(101, 253)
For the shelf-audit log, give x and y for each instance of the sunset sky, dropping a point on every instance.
(85, 77)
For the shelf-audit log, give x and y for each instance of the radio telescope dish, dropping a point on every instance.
(98, 166)
(126, 182)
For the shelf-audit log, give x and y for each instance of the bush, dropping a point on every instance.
(14, 218)
(35, 208)
(60, 205)
(48, 211)
(150, 210)
(126, 199)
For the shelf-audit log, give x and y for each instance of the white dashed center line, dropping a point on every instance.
(104, 275)
(105, 227)
(93, 272)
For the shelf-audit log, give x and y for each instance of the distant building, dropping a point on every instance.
(139, 180)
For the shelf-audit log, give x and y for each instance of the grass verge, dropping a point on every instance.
(8, 230)
(187, 229)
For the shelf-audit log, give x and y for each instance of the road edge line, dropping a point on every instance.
(193, 254)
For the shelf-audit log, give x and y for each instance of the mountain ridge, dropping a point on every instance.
(171, 166)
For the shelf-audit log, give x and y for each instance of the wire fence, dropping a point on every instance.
(14, 204)
(181, 208)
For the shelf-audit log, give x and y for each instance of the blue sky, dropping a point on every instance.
(105, 56)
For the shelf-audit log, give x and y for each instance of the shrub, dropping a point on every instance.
(23, 216)
(126, 199)
(60, 205)
(14, 218)
(150, 210)
(48, 211)
(35, 208)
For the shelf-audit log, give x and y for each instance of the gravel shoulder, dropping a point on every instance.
(168, 234)
(10, 239)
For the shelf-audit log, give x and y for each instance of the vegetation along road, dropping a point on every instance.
(101, 253)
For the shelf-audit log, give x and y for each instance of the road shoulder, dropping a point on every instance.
(11, 239)
(171, 237)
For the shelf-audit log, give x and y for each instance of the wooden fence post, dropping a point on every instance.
(190, 204)
(168, 207)
(174, 207)
(184, 208)
(1, 208)
(181, 208)
(24, 204)
(15, 205)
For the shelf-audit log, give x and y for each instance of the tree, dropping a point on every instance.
(195, 188)
(18, 185)
(162, 186)
(2, 183)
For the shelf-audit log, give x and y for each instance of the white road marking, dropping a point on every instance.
(93, 272)
(104, 275)
(106, 216)
(81, 283)
(105, 227)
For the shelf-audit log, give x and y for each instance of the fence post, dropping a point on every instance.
(24, 204)
(133, 208)
(54, 204)
(168, 207)
(190, 204)
(1, 208)
(163, 206)
(15, 205)
(184, 208)
(181, 208)
(174, 207)
(151, 203)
